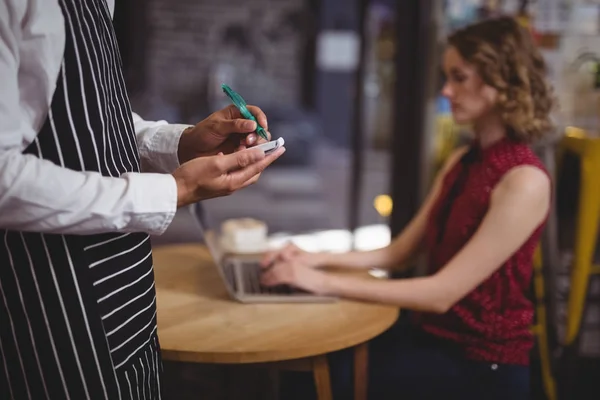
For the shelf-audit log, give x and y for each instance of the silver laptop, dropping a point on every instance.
(241, 276)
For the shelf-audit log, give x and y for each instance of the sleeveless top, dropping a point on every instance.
(78, 312)
(492, 323)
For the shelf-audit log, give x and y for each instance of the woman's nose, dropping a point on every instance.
(447, 90)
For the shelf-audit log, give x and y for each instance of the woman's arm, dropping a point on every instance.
(519, 203)
(406, 243)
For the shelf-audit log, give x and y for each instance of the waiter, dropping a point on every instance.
(77, 299)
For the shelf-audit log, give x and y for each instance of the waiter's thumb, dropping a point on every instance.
(240, 159)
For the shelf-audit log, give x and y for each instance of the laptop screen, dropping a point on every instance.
(210, 236)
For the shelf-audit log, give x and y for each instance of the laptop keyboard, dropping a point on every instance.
(251, 279)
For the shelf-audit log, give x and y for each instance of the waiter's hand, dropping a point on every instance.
(214, 176)
(224, 131)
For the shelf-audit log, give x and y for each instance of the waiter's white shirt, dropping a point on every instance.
(37, 195)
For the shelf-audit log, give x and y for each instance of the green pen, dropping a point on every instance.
(240, 103)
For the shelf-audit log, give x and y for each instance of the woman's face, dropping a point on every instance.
(471, 99)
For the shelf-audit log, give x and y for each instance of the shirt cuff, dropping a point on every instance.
(165, 144)
(159, 145)
(154, 198)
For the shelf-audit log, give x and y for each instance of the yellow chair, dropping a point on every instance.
(586, 233)
(545, 266)
(446, 137)
(587, 148)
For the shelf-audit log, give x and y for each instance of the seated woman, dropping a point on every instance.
(469, 335)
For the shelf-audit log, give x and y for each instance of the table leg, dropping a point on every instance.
(231, 383)
(273, 384)
(361, 377)
(320, 367)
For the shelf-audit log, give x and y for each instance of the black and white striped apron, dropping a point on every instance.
(78, 313)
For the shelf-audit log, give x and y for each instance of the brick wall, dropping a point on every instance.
(193, 45)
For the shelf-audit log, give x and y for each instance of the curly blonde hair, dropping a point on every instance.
(507, 59)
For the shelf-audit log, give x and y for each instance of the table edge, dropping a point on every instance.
(271, 355)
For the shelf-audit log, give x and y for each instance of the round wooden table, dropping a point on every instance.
(199, 322)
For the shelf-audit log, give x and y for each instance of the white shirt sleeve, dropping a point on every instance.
(37, 195)
(158, 142)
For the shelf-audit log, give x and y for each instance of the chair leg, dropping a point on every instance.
(541, 327)
(361, 376)
(569, 363)
(322, 378)
(545, 358)
(568, 371)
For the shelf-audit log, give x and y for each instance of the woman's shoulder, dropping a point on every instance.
(522, 173)
(526, 178)
(516, 166)
(526, 187)
(513, 155)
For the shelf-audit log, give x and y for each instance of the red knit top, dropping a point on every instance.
(492, 323)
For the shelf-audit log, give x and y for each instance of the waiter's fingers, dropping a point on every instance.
(233, 113)
(246, 170)
(260, 116)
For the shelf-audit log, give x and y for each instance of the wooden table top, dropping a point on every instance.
(199, 322)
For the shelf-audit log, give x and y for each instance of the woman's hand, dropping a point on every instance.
(292, 253)
(296, 274)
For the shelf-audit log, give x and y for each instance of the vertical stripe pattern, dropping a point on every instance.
(78, 313)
